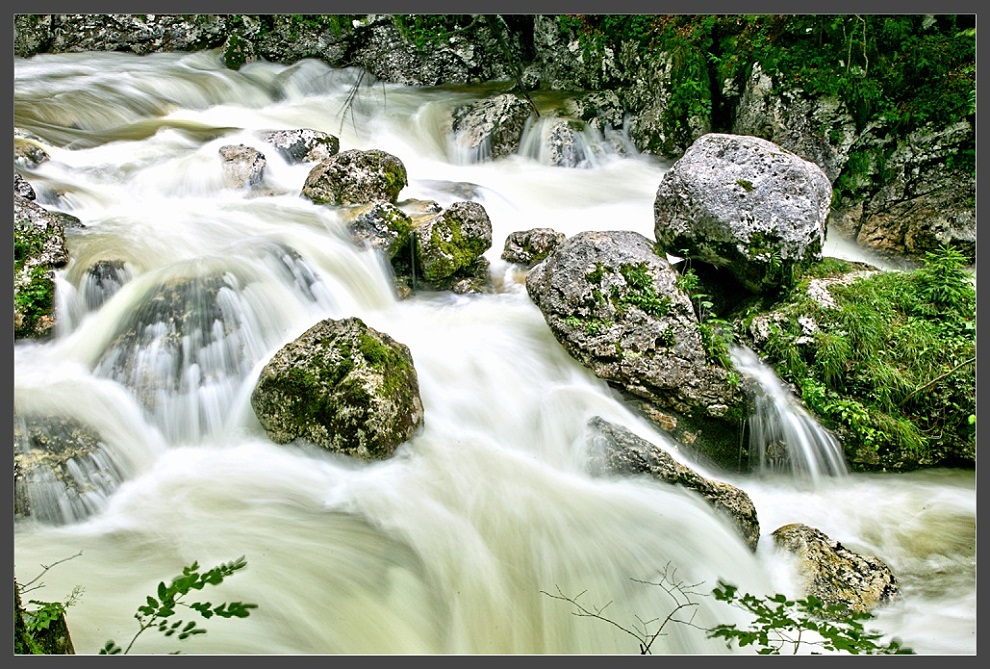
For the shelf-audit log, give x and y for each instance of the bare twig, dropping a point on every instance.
(24, 587)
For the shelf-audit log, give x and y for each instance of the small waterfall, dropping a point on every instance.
(783, 437)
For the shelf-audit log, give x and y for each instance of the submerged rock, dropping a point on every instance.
(492, 127)
(63, 471)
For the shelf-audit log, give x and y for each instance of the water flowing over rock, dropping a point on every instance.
(356, 177)
(618, 450)
(243, 167)
(614, 305)
(103, 280)
(528, 247)
(746, 205)
(490, 128)
(304, 145)
(835, 574)
(343, 386)
(63, 471)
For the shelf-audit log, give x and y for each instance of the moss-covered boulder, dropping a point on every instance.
(356, 177)
(528, 247)
(452, 240)
(343, 386)
(615, 305)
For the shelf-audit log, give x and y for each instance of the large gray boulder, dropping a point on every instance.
(615, 306)
(490, 128)
(616, 449)
(343, 386)
(745, 205)
(356, 177)
(835, 574)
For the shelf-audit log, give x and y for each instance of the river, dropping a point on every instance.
(457, 543)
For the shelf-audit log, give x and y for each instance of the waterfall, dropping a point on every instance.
(783, 437)
(179, 291)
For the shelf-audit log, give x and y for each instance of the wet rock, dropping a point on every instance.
(452, 240)
(343, 386)
(528, 247)
(304, 145)
(835, 574)
(39, 248)
(243, 166)
(614, 305)
(617, 450)
(490, 128)
(63, 471)
(356, 177)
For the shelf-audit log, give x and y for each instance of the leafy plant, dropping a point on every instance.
(780, 623)
(158, 611)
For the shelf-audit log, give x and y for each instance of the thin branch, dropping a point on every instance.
(23, 587)
(936, 380)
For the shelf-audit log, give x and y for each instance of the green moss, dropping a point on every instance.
(746, 184)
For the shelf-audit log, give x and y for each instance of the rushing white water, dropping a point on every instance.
(454, 545)
(783, 437)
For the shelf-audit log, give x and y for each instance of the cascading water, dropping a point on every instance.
(783, 437)
(179, 290)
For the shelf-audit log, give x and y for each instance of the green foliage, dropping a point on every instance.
(780, 622)
(425, 30)
(157, 612)
(641, 292)
(890, 367)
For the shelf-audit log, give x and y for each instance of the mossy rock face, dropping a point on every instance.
(342, 386)
(39, 248)
(356, 177)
